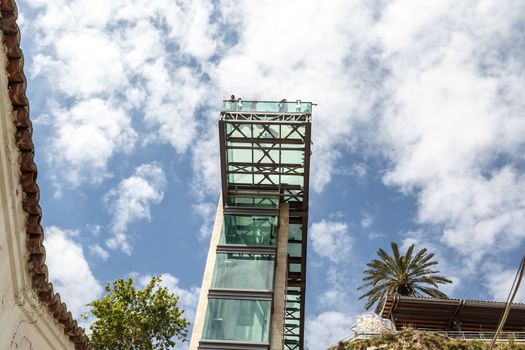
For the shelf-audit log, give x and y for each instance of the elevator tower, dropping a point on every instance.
(253, 289)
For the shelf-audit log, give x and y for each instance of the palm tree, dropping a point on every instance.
(408, 275)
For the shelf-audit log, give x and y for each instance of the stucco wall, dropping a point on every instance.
(24, 322)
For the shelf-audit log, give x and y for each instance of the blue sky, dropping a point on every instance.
(418, 136)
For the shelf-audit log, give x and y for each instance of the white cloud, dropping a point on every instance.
(158, 56)
(136, 59)
(69, 271)
(173, 95)
(188, 298)
(94, 229)
(97, 250)
(304, 50)
(337, 294)
(206, 165)
(358, 171)
(498, 281)
(444, 79)
(452, 123)
(131, 201)
(207, 212)
(450, 265)
(86, 136)
(434, 85)
(327, 329)
(367, 220)
(80, 73)
(331, 239)
(375, 235)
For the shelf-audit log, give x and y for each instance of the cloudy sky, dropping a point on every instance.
(418, 135)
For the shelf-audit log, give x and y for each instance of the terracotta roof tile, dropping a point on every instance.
(28, 171)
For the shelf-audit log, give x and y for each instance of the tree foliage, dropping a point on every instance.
(134, 319)
(409, 275)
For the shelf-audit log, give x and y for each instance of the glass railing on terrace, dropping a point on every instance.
(267, 106)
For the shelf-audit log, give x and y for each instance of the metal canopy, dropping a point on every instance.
(265, 161)
(452, 314)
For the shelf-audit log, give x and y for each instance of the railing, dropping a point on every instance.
(485, 336)
(518, 337)
(283, 106)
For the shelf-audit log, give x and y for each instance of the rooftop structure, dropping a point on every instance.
(452, 314)
(253, 290)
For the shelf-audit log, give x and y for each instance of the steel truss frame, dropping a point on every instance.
(266, 154)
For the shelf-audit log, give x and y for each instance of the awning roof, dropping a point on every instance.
(452, 314)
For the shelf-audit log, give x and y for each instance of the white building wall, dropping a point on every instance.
(200, 314)
(25, 323)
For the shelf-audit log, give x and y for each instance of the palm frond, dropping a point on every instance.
(410, 273)
(433, 292)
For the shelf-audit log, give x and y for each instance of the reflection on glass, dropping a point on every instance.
(244, 271)
(249, 230)
(242, 320)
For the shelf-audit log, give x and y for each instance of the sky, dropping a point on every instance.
(417, 136)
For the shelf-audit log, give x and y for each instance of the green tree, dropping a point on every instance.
(134, 319)
(408, 275)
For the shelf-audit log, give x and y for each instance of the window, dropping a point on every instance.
(244, 271)
(249, 230)
(253, 202)
(241, 320)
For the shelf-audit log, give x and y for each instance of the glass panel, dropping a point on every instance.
(253, 198)
(292, 145)
(266, 179)
(267, 156)
(243, 320)
(292, 196)
(239, 130)
(240, 178)
(240, 168)
(253, 202)
(293, 157)
(266, 132)
(295, 232)
(294, 268)
(239, 156)
(293, 289)
(249, 230)
(292, 132)
(267, 106)
(244, 271)
(292, 300)
(292, 180)
(259, 179)
(295, 249)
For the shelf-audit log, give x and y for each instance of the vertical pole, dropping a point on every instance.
(279, 288)
(222, 152)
